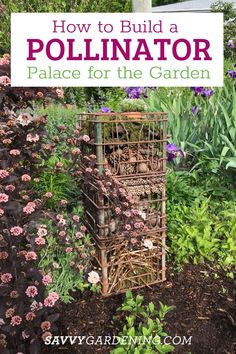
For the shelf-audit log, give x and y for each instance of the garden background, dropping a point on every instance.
(41, 211)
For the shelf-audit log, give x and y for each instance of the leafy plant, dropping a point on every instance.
(133, 105)
(67, 254)
(142, 322)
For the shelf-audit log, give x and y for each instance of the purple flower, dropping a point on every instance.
(203, 91)
(105, 109)
(195, 110)
(174, 151)
(230, 44)
(231, 73)
(197, 90)
(135, 92)
(207, 93)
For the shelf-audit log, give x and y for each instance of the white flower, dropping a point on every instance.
(93, 277)
(24, 119)
(143, 215)
(148, 244)
(55, 265)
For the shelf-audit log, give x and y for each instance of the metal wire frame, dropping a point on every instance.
(126, 145)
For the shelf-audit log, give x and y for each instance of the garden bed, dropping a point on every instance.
(205, 309)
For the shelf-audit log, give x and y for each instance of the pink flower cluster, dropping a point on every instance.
(29, 208)
(31, 256)
(16, 230)
(47, 279)
(51, 299)
(5, 80)
(25, 178)
(32, 138)
(14, 152)
(4, 174)
(16, 321)
(31, 291)
(3, 198)
(6, 277)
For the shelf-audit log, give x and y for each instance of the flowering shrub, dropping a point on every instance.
(24, 308)
(123, 205)
(66, 253)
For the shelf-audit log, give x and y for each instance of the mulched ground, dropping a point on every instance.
(205, 303)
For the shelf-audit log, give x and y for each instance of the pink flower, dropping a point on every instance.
(48, 195)
(24, 119)
(16, 230)
(62, 233)
(117, 210)
(45, 326)
(35, 306)
(69, 249)
(4, 174)
(16, 320)
(137, 225)
(59, 216)
(3, 198)
(4, 255)
(127, 214)
(1, 212)
(30, 316)
(4, 61)
(31, 291)
(9, 312)
(14, 294)
(108, 173)
(46, 335)
(32, 138)
(29, 208)
(6, 277)
(5, 80)
(47, 279)
(25, 178)
(89, 169)
(79, 235)
(76, 218)
(51, 299)
(30, 256)
(25, 335)
(63, 202)
(41, 231)
(127, 227)
(83, 228)
(76, 151)
(54, 295)
(10, 188)
(85, 138)
(15, 152)
(122, 190)
(60, 93)
(40, 241)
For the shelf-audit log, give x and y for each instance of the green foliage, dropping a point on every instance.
(208, 136)
(67, 269)
(142, 321)
(229, 25)
(60, 184)
(201, 228)
(133, 105)
(164, 2)
(8, 6)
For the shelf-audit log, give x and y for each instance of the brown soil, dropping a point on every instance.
(205, 303)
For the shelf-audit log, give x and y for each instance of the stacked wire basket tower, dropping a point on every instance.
(133, 147)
